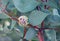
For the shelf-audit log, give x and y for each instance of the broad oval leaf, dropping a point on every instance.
(25, 5)
(31, 33)
(3, 16)
(14, 35)
(51, 34)
(5, 38)
(13, 24)
(10, 5)
(53, 20)
(4, 2)
(21, 30)
(36, 17)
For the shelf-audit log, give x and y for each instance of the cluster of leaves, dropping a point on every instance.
(42, 14)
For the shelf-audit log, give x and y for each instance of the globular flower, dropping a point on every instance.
(23, 21)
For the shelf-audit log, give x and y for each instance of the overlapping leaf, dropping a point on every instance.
(54, 19)
(25, 5)
(3, 16)
(31, 33)
(13, 24)
(51, 34)
(36, 17)
(10, 5)
(5, 38)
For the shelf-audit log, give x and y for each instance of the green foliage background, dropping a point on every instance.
(37, 11)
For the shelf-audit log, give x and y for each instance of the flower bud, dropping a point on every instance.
(7, 23)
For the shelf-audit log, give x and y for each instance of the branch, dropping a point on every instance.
(40, 36)
(9, 13)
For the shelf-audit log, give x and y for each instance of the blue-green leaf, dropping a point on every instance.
(5, 38)
(3, 16)
(53, 20)
(11, 5)
(36, 17)
(21, 30)
(4, 2)
(31, 33)
(25, 5)
(51, 34)
(13, 24)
